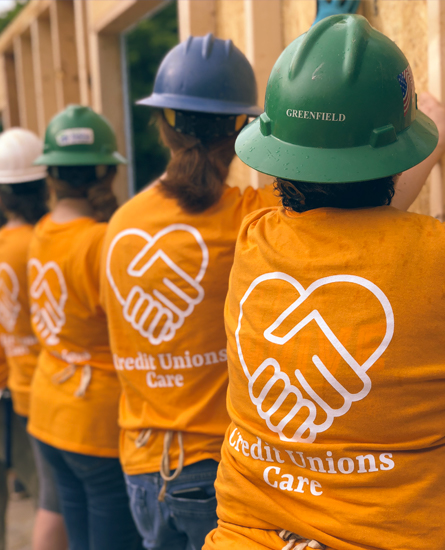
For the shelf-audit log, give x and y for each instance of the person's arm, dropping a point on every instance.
(411, 181)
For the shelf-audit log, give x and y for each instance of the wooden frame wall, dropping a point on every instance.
(85, 65)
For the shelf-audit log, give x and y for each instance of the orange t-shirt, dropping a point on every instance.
(75, 392)
(164, 281)
(336, 358)
(17, 339)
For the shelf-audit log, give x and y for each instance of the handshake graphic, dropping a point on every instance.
(292, 407)
(48, 295)
(160, 286)
(9, 292)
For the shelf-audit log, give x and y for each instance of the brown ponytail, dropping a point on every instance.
(83, 182)
(197, 171)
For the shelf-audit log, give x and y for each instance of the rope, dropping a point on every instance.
(142, 440)
(165, 461)
(68, 372)
(292, 539)
(85, 380)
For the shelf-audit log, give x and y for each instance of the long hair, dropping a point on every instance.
(302, 196)
(93, 183)
(197, 171)
(26, 200)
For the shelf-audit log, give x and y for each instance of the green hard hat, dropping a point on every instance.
(340, 107)
(78, 136)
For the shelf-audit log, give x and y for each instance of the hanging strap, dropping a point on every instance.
(68, 372)
(165, 461)
(85, 379)
(295, 542)
(142, 440)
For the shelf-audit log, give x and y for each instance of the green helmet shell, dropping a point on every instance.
(78, 136)
(340, 107)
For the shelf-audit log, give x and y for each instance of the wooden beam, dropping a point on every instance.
(115, 16)
(263, 19)
(436, 85)
(22, 22)
(45, 84)
(64, 52)
(196, 17)
(108, 98)
(83, 59)
(11, 108)
(25, 82)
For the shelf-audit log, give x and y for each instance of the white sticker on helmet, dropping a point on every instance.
(75, 136)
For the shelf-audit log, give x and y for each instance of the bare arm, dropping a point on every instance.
(410, 183)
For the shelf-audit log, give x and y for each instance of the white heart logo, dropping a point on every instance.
(9, 292)
(48, 293)
(280, 378)
(158, 314)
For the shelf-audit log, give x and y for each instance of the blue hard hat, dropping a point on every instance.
(207, 75)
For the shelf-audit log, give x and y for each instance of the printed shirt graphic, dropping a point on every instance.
(63, 269)
(164, 281)
(20, 346)
(336, 362)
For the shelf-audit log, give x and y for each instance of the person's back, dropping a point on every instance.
(168, 254)
(336, 393)
(334, 313)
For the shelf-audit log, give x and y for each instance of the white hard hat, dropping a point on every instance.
(19, 148)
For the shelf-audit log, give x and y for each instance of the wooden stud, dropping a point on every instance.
(45, 85)
(196, 17)
(106, 75)
(64, 53)
(25, 82)
(263, 19)
(10, 109)
(81, 26)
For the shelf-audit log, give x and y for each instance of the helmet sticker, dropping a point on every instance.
(406, 82)
(75, 136)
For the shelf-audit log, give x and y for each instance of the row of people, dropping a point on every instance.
(332, 321)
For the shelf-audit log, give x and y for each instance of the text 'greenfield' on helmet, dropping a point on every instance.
(207, 75)
(340, 107)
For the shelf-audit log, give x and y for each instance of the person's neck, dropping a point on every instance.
(14, 221)
(70, 209)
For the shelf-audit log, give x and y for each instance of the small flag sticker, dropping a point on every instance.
(406, 82)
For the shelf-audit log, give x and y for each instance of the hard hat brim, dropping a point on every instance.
(61, 158)
(11, 177)
(277, 158)
(199, 105)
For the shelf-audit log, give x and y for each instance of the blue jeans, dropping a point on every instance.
(181, 522)
(94, 501)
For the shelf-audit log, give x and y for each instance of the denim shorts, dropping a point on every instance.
(188, 513)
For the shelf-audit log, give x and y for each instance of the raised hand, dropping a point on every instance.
(301, 375)
(325, 8)
(9, 291)
(161, 286)
(48, 294)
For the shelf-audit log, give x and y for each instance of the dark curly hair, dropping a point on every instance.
(27, 200)
(301, 196)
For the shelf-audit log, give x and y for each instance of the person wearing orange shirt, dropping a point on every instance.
(166, 263)
(75, 390)
(335, 310)
(23, 197)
